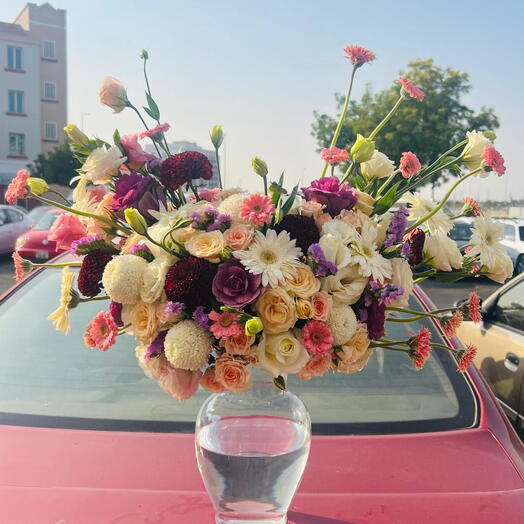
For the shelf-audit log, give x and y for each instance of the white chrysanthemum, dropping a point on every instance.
(343, 324)
(273, 256)
(102, 164)
(153, 280)
(473, 150)
(153, 367)
(346, 286)
(401, 276)
(484, 241)
(60, 317)
(231, 206)
(187, 346)
(420, 207)
(122, 278)
(378, 166)
(443, 252)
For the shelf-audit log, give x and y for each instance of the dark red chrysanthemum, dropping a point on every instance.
(189, 281)
(415, 239)
(303, 229)
(90, 277)
(184, 167)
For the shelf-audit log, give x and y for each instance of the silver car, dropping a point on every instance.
(514, 242)
(13, 222)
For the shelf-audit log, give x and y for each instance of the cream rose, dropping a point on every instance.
(153, 280)
(276, 310)
(379, 166)
(144, 322)
(310, 208)
(443, 252)
(239, 236)
(303, 284)
(355, 348)
(207, 244)
(365, 202)
(304, 308)
(346, 286)
(282, 353)
(102, 164)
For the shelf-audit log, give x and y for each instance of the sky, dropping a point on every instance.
(260, 69)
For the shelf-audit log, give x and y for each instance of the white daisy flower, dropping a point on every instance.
(420, 207)
(273, 256)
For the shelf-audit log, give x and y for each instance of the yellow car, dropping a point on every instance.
(500, 342)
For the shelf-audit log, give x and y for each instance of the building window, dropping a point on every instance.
(16, 101)
(50, 131)
(49, 91)
(16, 144)
(14, 57)
(48, 49)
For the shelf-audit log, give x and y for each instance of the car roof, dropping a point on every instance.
(513, 221)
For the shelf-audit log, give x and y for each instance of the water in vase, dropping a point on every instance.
(252, 466)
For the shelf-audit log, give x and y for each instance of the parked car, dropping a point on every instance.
(87, 438)
(514, 242)
(37, 212)
(13, 222)
(34, 244)
(500, 342)
(461, 232)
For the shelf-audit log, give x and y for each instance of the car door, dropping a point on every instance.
(6, 232)
(510, 241)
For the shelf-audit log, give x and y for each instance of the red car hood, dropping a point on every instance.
(54, 475)
(34, 239)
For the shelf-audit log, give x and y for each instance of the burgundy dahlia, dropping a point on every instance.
(331, 193)
(90, 277)
(303, 229)
(181, 168)
(189, 281)
(234, 286)
(415, 239)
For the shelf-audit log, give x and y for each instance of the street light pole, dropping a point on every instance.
(82, 115)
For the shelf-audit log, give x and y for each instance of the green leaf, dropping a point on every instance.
(385, 202)
(290, 201)
(280, 383)
(276, 189)
(153, 112)
(116, 137)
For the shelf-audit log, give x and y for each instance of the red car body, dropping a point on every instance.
(473, 475)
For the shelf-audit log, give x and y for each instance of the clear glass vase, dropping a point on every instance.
(252, 449)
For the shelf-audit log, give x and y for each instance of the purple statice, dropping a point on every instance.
(405, 250)
(318, 262)
(174, 308)
(115, 309)
(204, 218)
(384, 294)
(157, 346)
(201, 318)
(221, 223)
(397, 227)
(84, 245)
(142, 250)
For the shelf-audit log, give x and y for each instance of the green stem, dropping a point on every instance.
(59, 194)
(386, 119)
(105, 297)
(448, 152)
(348, 172)
(422, 313)
(195, 192)
(387, 182)
(342, 117)
(62, 264)
(218, 168)
(410, 319)
(145, 125)
(265, 184)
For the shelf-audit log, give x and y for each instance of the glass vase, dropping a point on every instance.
(251, 450)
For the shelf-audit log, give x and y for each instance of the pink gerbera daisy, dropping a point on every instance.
(474, 307)
(465, 357)
(420, 348)
(409, 164)
(411, 89)
(160, 128)
(257, 209)
(101, 331)
(17, 188)
(19, 263)
(333, 155)
(452, 323)
(225, 324)
(471, 207)
(317, 337)
(492, 158)
(359, 55)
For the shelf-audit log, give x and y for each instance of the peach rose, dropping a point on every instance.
(311, 209)
(179, 383)
(322, 219)
(322, 304)
(144, 323)
(238, 344)
(207, 244)
(209, 382)
(304, 308)
(232, 374)
(304, 283)
(354, 355)
(152, 367)
(239, 236)
(276, 309)
(316, 366)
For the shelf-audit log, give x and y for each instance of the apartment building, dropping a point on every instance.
(33, 87)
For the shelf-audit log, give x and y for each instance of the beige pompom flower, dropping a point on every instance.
(122, 278)
(343, 324)
(187, 346)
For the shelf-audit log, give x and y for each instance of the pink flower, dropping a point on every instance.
(317, 337)
(97, 193)
(411, 89)
(19, 269)
(239, 236)
(474, 307)
(113, 94)
(257, 209)
(224, 324)
(471, 207)
(493, 159)
(232, 374)
(420, 348)
(17, 188)
(322, 219)
(208, 194)
(136, 156)
(321, 302)
(409, 164)
(209, 382)
(359, 55)
(101, 331)
(310, 208)
(465, 357)
(160, 128)
(316, 366)
(179, 383)
(451, 324)
(333, 155)
(66, 229)
(238, 344)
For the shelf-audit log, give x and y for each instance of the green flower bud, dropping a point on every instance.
(144, 54)
(362, 149)
(135, 220)
(75, 135)
(38, 186)
(253, 326)
(490, 135)
(259, 166)
(217, 136)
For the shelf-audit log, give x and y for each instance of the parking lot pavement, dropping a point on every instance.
(6, 272)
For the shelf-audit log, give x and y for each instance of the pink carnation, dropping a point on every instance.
(317, 337)
(101, 331)
(66, 229)
(17, 188)
(466, 356)
(333, 155)
(257, 209)
(471, 206)
(359, 55)
(409, 164)
(224, 324)
(19, 269)
(492, 158)
(420, 348)
(160, 128)
(316, 366)
(411, 89)
(474, 308)
(208, 194)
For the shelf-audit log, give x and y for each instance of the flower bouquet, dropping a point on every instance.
(219, 284)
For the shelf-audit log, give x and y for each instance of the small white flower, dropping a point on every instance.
(443, 252)
(420, 207)
(102, 164)
(379, 166)
(153, 280)
(473, 150)
(485, 241)
(281, 353)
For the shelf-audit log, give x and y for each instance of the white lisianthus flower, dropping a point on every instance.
(402, 276)
(502, 270)
(102, 164)
(379, 166)
(473, 150)
(346, 286)
(346, 232)
(443, 252)
(420, 207)
(280, 354)
(485, 241)
(336, 235)
(153, 280)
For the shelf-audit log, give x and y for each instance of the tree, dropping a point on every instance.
(427, 128)
(57, 166)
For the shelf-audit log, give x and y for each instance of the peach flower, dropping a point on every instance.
(232, 374)
(322, 219)
(316, 366)
(208, 245)
(239, 344)
(209, 382)
(276, 309)
(113, 94)
(144, 322)
(354, 355)
(304, 308)
(239, 236)
(304, 283)
(322, 303)
(311, 209)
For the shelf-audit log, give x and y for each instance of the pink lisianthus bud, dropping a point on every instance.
(113, 94)
(179, 383)
(136, 156)
(65, 229)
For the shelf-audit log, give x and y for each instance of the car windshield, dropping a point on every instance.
(51, 380)
(460, 232)
(45, 222)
